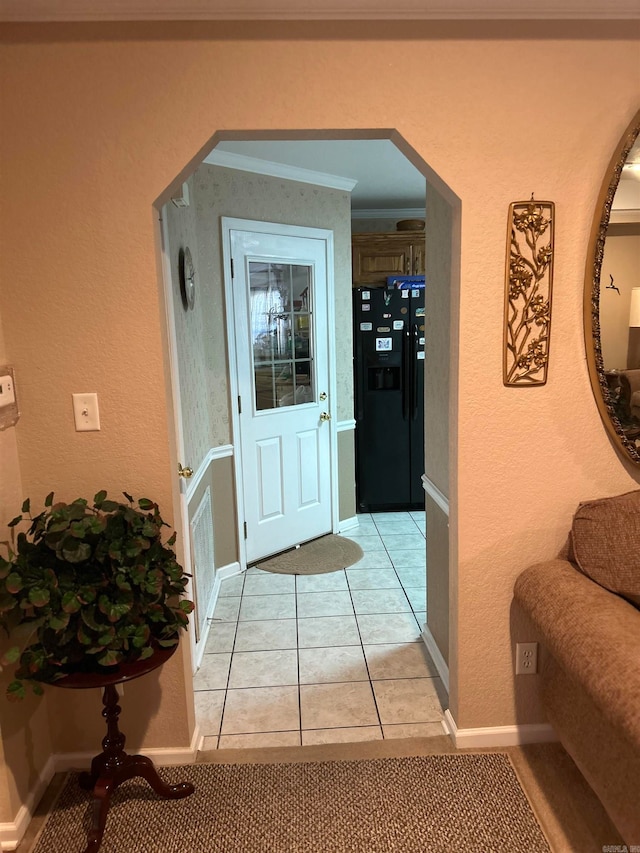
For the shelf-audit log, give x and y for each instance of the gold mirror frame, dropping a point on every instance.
(599, 385)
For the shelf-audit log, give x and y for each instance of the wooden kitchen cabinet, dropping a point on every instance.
(376, 256)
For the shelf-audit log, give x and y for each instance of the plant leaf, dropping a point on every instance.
(70, 602)
(26, 506)
(99, 498)
(12, 655)
(14, 583)
(59, 622)
(109, 658)
(39, 596)
(15, 691)
(49, 499)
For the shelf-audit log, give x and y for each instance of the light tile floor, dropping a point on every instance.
(335, 658)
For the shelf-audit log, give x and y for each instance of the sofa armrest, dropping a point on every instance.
(592, 633)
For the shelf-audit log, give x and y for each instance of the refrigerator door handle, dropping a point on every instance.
(414, 371)
(406, 372)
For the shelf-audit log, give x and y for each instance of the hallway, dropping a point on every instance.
(296, 660)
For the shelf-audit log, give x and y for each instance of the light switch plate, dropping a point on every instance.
(85, 412)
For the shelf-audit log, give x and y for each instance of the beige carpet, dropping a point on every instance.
(327, 554)
(461, 802)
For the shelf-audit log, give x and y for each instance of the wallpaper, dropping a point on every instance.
(202, 347)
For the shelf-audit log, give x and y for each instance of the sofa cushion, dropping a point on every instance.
(605, 539)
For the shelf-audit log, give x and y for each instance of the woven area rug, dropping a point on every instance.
(327, 554)
(470, 802)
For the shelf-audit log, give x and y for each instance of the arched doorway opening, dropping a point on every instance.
(200, 364)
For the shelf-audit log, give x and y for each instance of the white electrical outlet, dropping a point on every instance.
(7, 394)
(526, 658)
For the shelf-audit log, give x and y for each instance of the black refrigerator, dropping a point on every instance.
(389, 394)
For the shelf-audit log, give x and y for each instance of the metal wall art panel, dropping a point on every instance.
(528, 287)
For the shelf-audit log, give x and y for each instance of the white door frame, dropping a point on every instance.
(227, 225)
(176, 399)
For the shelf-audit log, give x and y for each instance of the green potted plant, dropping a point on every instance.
(87, 587)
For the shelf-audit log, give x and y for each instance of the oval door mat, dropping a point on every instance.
(327, 554)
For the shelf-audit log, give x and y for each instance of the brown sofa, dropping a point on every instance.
(586, 609)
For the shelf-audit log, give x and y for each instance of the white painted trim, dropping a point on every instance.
(348, 524)
(163, 756)
(498, 735)
(179, 490)
(623, 216)
(436, 655)
(343, 426)
(244, 10)
(389, 213)
(434, 492)
(231, 160)
(222, 573)
(222, 452)
(228, 224)
(12, 832)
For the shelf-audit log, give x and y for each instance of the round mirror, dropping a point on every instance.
(612, 297)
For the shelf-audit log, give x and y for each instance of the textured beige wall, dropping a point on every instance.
(228, 192)
(438, 575)
(200, 338)
(437, 399)
(103, 117)
(346, 474)
(24, 728)
(622, 261)
(201, 333)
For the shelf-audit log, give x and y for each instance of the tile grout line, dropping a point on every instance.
(366, 663)
(233, 647)
(295, 587)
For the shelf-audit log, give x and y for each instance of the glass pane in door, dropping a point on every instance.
(281, 328)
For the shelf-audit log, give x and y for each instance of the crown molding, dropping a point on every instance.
(230, 160)
(229, 10)
(389, 213)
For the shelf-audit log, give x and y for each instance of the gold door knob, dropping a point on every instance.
(185, 472)
(323, 396)
(325, 416)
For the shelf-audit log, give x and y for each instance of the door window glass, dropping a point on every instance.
(281, 327)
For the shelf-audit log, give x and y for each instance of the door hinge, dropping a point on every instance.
(232, 269)
(245, 530)
(239, 404)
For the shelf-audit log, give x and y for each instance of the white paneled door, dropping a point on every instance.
(279, 287)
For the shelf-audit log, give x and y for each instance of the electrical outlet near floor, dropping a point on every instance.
(526, 658)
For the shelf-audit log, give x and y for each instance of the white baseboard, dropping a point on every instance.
(223, 572)
(163, 757)
(11, 833)
(348, 524)
(436, 655)
(498, 735)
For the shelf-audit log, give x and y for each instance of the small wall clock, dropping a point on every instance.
(187, 278)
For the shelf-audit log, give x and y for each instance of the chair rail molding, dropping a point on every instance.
(434, 492)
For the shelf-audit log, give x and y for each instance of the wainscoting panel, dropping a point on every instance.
(203, 560)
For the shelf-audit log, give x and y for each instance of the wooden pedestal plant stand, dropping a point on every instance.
(95, 596)
(113, 765)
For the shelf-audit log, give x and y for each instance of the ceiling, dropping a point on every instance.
(385, 178)
(203, 10)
